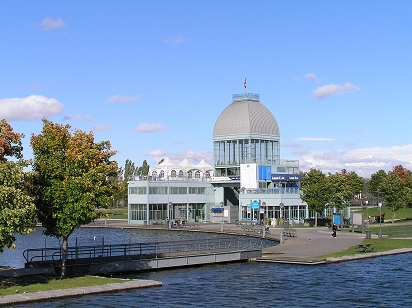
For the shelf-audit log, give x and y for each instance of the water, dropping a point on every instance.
(98, 236)
(376, 282)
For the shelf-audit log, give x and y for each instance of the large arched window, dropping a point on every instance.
(162, 174)
(207, 174)
(154, 173)
(173, 173)
(181, 173)
(197, 175)
(189, 174)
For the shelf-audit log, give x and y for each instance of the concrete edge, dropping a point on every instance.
(54, 294)
(368, 255)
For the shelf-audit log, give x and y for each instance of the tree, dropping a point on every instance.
(17, 211)
(143, 170)
(392, 189)
(342, 187)
(376, 179)
(71, 179)
(314, 192)
(129, 171)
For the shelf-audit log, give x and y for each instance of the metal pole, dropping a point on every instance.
(380, 219)
(281, 205)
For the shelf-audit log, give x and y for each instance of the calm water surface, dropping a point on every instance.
(376, 282)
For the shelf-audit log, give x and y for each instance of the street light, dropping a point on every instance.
(170, 216)
(281, 205)
(221, 220)
(264, 225)
(367, 214)
(380, 219)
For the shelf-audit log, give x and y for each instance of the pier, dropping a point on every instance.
(114, 258)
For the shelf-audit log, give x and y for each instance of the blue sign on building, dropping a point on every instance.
(255, 204)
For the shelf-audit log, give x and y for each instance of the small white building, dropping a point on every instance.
(248, 182)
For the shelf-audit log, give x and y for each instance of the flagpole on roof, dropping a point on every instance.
(244, 83)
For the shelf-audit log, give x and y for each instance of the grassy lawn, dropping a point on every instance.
(31, 284)
(379, 244)
(115, 213)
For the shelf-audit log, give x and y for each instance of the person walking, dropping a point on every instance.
(334, 228)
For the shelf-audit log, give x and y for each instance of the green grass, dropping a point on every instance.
(115, 213)
(402, 215)
(31, 284)
(379, 244)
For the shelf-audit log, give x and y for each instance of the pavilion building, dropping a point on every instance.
(248, 182)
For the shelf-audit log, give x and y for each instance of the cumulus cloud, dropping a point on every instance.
(122, 99)
(29, 108)
(78, 118)
(49, 24)
(103, 128)
(364, 161)
(334, 89)
(150, 128)
(316, 139)
(175, 40)
(157, 154)
(311, 76)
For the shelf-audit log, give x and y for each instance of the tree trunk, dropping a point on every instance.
(64, 256)
(316, 219)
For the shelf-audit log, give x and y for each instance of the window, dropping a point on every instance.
(207, 174)
(132, 190)
(192, 190)
(182, 190)
(174, 190)
(138, 211)
(173, 173)
(141, 190)
(201, 190)
(197, 175)
(162, 174)
(153, 190)
(154, 173)
(162, 190)
(181, 173)
(189, 174)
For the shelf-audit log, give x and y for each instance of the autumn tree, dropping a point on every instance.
(128, 172)
(314, 191)
(71, 177)
(17, 211)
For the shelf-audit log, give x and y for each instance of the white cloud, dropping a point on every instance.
(150, 128)
(29, 108)
(311, 76)
(103, 128)
(122, 99)
(157, 154)
(175, 40)
(334, 89)
(49, 23)
(193, 156)
(78, 118)
(364, 161)
(316, 139)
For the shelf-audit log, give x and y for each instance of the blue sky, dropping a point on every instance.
(153, 76)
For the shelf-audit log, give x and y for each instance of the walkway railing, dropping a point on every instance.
(136, 251)
(400, 231)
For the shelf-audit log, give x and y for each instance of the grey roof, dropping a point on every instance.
(246, 117)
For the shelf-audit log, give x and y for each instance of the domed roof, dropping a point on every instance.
(246, 115)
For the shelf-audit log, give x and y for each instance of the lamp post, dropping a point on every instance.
(281, 205)
(170, 215)
(264, 225)
(367, 214)
(221, 220)
(380, 219)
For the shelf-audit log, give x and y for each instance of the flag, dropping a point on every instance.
(245, 83)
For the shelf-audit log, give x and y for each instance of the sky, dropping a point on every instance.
(152, 77)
